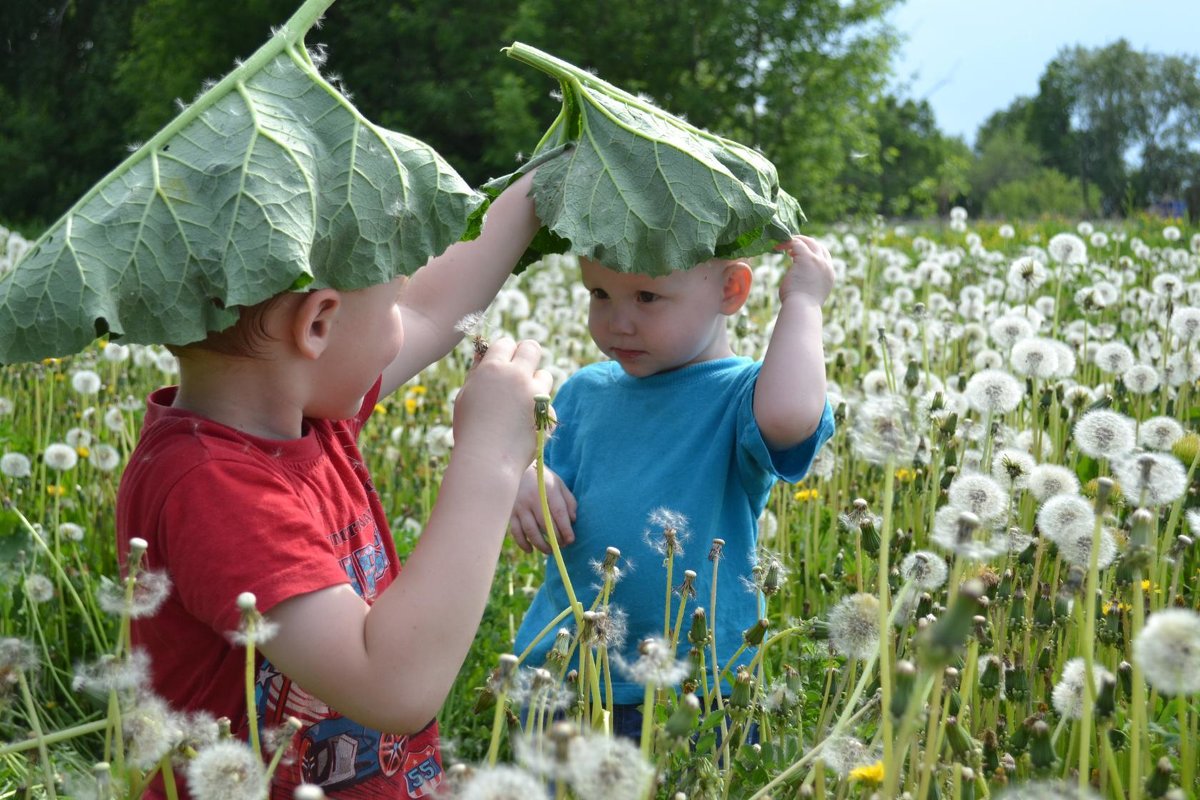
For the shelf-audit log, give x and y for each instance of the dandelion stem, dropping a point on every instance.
(39, 737)
(551, 625)
(552, 535)
(55, 737)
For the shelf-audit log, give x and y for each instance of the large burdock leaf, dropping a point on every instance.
(641, 190)
(271, 180)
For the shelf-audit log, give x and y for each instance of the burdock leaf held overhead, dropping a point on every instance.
(270, 180)
(639, 189)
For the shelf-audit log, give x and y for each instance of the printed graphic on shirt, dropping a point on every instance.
(346, 759)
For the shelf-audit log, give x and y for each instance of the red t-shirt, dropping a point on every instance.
(226, 513)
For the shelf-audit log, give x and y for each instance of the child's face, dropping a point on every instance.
(651, 325)
(367, 337)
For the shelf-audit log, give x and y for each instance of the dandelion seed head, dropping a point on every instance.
(150, 590)
(1048, 480)
(1065, 516)
(883, 430)
(104, 457)
(607, 766)
(227, 770)
(38, 588)
(86, 382)
(1141, 379)
(1067, 249)
(111, 674)
(502, 782)
(71, 531)
(1168, 651)
(1011, 468)
(1159, 433)
(1046, 790)
(1114, 358)
(993, 391)
(1185, 324)
(1101, 433)
(980, 494)
(1008, 330)
(1076, 548)
(6, 405)
(925, 569)
(1069, 693)
(60, 457)
(854, 626)
(844, 754)
(1026, 274)
(960, 532)
(656, 664)
(472, 324)
(16, 465)
(151, 730)
(1152, 479)
(1035, 357)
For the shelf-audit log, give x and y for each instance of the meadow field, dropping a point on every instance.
(988, 585)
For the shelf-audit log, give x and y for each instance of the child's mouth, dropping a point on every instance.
(622, 354)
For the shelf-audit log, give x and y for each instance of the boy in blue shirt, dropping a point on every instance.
(675, 419)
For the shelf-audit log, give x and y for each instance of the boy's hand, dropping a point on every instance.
(811, 275)
(493, 415)
(527, 523)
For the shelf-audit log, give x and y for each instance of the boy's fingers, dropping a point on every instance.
(518, 534)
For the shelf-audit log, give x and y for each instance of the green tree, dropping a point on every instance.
(59, 121)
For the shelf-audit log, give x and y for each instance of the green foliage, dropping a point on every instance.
(271, 180)
(643, 191)
(1045, 192)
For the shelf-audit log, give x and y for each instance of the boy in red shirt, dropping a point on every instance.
(248, 478)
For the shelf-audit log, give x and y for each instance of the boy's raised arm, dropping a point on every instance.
(390, 665)
(789, 396)
(460, 281)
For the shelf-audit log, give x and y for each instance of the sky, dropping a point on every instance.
(970, 58)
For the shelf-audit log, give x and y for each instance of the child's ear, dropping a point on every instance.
(312, 322)
(736, 278)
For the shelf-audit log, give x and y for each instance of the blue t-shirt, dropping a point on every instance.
(684, 440)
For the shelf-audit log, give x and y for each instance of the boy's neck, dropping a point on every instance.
(247, 394)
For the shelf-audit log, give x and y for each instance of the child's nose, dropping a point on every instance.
(621, 319)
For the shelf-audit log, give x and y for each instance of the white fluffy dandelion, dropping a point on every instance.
(883, 431)
(151, 731)
(104, 457)
(1102, 433)
(16, 465)
(960, 532)
(1076, 548)
(607, 766)
(993, 391)
(1034, 357)
(1114, 358)
(854, 626)
(502, 783)
(1152, 479)
(1065, 516)
(227, 770)
(656, 664)
(1141, 379)
(1012, 467)
(1071, 690)
(1067, 248)
(60, 457)
(1168, 651)
(150, 591)
(924, 569)
(1047, 480)
(980, 494)
(86, 382)
(38, 588)
(1159, 433)
(1185, 324)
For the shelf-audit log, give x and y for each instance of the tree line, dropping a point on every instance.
(805, 81)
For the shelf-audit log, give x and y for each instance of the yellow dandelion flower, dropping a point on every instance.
(380, 409)
(83, 451)
(906, 475)
(804, 495)
(410, 405)
(1146, 585)
(55, 490)
(417, 389)
(51, 362)
(872, 774)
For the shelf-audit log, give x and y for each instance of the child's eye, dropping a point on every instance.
(599, 294)
(646, 297)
